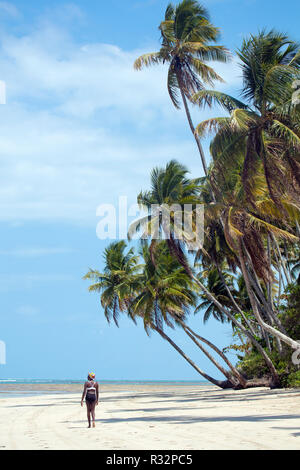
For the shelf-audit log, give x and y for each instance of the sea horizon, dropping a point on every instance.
(103, 381)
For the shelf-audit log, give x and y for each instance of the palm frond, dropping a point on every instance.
(146, 60)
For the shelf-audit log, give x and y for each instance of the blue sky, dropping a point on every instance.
(81, 128)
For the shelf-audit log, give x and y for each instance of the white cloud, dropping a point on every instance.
(79, 80)
(81, 127)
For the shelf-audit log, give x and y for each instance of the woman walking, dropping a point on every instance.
(91, 395)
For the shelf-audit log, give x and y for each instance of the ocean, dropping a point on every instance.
(106, 382)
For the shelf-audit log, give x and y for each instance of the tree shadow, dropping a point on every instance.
(295, 434)
(230, 396)
(185, 419)
(45, 405)
(224, 395)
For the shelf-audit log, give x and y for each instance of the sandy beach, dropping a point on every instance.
(149, 417)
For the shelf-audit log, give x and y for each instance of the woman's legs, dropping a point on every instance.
(93, 406)
(88, 409)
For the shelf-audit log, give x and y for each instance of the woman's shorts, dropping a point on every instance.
(90, 397)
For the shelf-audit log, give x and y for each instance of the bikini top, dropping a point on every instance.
(88, 389)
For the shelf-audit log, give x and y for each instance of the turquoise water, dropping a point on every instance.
(108, 382)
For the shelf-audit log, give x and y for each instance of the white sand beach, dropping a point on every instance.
(154, 418)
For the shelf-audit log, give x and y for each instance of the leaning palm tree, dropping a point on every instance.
(170, 185)
(159, 294)
(127, 287)
(162, 192)
(165, 296)
(187, 44)
(118, 281)
(171, 191)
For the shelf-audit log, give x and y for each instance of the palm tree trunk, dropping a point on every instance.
(279, 287)
(240, 311)
(297, 229)
(211, 358)
(281, 260)
(287, 258)
(270, 284)
(280, 276)
(218, 383)
(270, 299)
(210, 297)
(251, 337)
(196, 137)
(267, 340)
(276, 333)
(237, 374)
(260, 294)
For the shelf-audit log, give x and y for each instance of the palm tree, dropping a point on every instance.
(186, 37)
(216, 286)
(245, 228)
(123, 289)
(158, 294)
(260, 138)
(264, 132)
(171, 191)
(118, 281)
(171, 185)
(165, 296)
